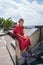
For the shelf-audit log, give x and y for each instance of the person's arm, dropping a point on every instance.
(21, 36)
(16, 33)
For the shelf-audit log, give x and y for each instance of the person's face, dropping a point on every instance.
(21, 23)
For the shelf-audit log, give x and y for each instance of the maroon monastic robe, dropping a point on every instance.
(23, 43)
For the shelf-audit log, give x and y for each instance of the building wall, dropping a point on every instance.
(42, 33)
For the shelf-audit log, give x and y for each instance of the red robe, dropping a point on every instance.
(23, 43)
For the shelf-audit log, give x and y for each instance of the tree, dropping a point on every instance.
(1, 22)
(7, 23)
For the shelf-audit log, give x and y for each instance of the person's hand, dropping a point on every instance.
(24, 37)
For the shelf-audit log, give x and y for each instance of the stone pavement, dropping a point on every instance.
(4, 55)
(11, 50)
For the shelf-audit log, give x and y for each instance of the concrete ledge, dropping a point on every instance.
(13, 44)
(34, 38)
(10, 49)
(12, 53)
(19, 59)
(32, 31)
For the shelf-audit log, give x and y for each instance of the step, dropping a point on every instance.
(10, 49)
(12, 53)
(4, 55)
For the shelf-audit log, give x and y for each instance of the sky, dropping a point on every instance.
(30, 10)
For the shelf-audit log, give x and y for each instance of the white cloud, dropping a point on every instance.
(31, 12)
(13, 3)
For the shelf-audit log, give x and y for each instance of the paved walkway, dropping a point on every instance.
(11, 49)
(4, 55)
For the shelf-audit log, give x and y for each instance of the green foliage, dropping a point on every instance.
(2, 20)
(7, 23)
